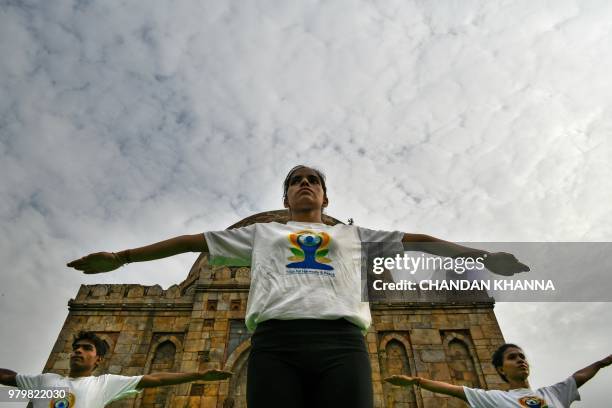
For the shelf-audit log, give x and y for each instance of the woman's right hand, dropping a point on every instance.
(402, 380)
(97, 263)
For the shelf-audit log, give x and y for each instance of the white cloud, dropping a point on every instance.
(126, 123)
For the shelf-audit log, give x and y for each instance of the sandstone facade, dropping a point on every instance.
(199, 324)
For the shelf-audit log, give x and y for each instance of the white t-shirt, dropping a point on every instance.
(84, 392)
(299, 270)
(560, 395)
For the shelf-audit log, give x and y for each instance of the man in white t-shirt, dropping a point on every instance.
(87, 391)
(512, 366)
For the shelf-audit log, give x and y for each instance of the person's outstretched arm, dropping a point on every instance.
(430, 385)
(584, 375)
(109, 261)
(8, 377)
(500, 263)
(161, 379)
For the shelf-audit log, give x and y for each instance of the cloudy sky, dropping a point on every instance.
(125, 123)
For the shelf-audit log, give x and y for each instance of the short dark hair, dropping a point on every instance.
(101, 347)
(318, 172)
(498, 357)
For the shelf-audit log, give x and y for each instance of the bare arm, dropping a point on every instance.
(436, 246)
(108, 261)
(430, 385)
(161, 379)
(501, 263)
(8, 377)
(584, 375)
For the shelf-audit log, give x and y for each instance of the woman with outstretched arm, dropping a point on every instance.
(304, 301)
(512, 366)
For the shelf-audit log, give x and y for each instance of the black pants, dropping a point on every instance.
(309, 364)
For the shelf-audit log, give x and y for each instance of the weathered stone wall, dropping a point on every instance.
(448, 343)
(199, 325)
(451, 343)
(133, 320)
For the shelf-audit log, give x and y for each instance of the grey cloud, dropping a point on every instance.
(127, 123)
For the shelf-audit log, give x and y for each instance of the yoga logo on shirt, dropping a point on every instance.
(309, 251)
(533, 402)
(66, 402)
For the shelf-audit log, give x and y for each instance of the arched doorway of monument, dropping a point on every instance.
(238, 364)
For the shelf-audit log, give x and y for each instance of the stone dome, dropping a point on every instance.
(280, 216)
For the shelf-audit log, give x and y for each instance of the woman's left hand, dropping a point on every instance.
(503, 263)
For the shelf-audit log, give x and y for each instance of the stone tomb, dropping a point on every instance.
(199, 324)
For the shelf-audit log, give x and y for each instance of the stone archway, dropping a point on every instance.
(238, 364)
(463, 359)
(164, 355)
(462, 365)
(396, 358)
